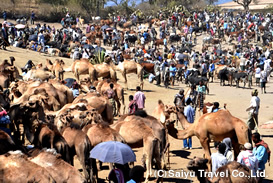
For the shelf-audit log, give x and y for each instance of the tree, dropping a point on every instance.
(211, 2)
(245, 3)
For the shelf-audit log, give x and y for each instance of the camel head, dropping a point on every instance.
(197, 164)
(92, 116)
(33, 114)
(64, 120)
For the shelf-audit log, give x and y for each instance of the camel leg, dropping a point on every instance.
(236, 147)
(81, 156)
(118, 106)
(148, 150)
(205, 144)
(125, 79)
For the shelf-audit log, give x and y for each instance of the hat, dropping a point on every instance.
(248, 146)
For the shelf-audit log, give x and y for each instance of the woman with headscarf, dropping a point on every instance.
(228, 153)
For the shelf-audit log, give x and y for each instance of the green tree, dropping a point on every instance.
(245, 3)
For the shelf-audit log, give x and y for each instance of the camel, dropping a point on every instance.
(137, 134)
(80, 145)
(212, 126)
(127, 67)
(60, 170)
(98, 102)
(119, 93)
(199, 166)
(15, 167)
(47, 136)
(80, 67)
(105, 70)
(58, 69)
(38, 74)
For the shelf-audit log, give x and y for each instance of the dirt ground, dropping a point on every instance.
(237, 100)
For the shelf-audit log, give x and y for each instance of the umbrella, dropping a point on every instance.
(19, 26)
(113, 152)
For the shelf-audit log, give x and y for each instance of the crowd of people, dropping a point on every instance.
(171, 63)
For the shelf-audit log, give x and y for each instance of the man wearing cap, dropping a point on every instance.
(253, 110)
(247, 158)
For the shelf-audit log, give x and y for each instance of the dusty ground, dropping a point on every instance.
(237, 100)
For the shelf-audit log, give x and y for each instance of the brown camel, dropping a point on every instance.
(80, 67)
(58, 70)
(101, 132)
(137, 134)
(212, 126)
(60, 170)
(127, 67)
(119, 93)
(199, 166)
(80, 145)
(105, 70)
(100, 103)
(15, 167)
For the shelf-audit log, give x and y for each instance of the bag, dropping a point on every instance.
(5, 120)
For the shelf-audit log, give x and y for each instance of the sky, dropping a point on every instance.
(138, 1)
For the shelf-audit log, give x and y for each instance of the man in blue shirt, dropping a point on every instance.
(173, 71)
(211, 70)
(189, 113)
(261, 151)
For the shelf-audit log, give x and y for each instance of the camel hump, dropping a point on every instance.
(160, 102)
(141, 113)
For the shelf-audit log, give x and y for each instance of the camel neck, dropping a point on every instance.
(183, 121)
(180, 134)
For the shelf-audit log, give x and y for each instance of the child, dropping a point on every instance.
(132, 105)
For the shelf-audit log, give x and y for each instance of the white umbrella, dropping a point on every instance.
(20, 26)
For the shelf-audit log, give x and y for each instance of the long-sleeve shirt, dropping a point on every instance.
(189, 113)
(218, 160)
(262, 156)
(247, 158)
(139, 97)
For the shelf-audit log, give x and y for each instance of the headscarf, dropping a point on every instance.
(227, 142)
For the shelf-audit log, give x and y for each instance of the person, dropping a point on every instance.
(75, 89)
(132, 108)
(253, 110)
(211, 70)
(263, 80)
(215, 107)
(4, 121)
(193, 95)
(110, 93)
(189, 113)
(173, 71)
(228, 153)
(261, 151)
(136, 174)
(179, 99)
(41, 40)
(140, 98)
(5, 16)
(218, 159)
(247, 158)
(201, 89)
(258, 75)
(119, 174)
(32, 17)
